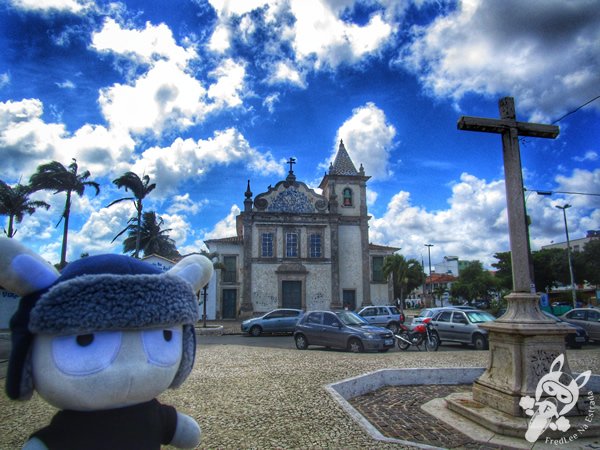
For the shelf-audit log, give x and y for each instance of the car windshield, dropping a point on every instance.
(350, 318)
(479, 316)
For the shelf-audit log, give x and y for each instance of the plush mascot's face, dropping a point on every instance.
(105, 369)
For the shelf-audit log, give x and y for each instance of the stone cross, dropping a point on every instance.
(511, 129)
(291, 162)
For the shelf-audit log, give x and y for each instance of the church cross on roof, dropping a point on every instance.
(342, 165)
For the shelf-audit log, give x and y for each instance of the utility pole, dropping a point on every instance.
(429, 253)
(573, 288)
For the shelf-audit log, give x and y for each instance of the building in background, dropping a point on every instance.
(296, 248)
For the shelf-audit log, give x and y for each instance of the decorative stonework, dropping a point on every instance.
(293, 201)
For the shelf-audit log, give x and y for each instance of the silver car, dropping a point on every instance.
(341, 329)
(456, 325)
(586, 318)
(277, 321)
(389, 317)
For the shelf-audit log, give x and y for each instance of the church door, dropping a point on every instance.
(229, 303)
(349, 299)
(291, 292)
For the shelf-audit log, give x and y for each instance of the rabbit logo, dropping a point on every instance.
(561, 392)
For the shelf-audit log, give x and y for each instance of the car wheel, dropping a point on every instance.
(393, 327)
(255, 331)
(480, 342)
(355, 346)
(301, 342)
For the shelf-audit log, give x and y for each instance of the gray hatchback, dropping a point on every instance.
(341, 329)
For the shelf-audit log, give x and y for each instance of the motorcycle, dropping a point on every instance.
(421, 333)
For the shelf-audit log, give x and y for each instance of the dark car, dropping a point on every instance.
(588, 318)
(457, 325)
(573, 340)
(389, 317)
(276, 321)
(341, 329)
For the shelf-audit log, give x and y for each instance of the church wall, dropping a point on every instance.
(351, 262)
(264, 287)
(318, 286)
(380, 294)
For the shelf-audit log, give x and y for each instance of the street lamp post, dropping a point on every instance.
(573, 291)
(429, 254)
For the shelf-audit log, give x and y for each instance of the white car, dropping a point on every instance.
(427, 312)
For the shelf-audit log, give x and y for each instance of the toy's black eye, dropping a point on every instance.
(167, 335)
(83, 340)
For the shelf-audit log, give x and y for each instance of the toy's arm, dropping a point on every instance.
(187, 433)
(34, 444)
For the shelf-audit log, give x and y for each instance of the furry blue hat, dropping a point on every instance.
(105, 292)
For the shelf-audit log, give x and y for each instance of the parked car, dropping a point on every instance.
(389, 317)
(428, 312)
(587, 318)
(572, 340)
(457, 325)
(276, 321)
(341, 329)
(481, 304)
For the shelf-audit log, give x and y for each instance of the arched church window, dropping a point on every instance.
(347, 197)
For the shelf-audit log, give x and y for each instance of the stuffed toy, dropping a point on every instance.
(100, 341)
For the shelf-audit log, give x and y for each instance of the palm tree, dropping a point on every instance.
(152, 239)
(403, 274)
(56, 177)
(139, 188)
(15, 203)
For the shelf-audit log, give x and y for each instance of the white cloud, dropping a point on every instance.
(225, 227)
(320, 33)
(285, 72)
(147, 46)
(474, 227)
(544, 53)
(230, 82)
(186, 158)
(71, 6)
(4, 79)
(67, 84)
(368, 138)
(27, 141)
(589, 156)
(164, 97)
(184, 204)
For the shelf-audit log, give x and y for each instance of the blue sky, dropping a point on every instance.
(204, 95)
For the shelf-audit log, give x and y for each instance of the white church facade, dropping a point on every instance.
(296, 248)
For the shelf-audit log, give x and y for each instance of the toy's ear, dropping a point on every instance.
(195, 269)
(21, 270)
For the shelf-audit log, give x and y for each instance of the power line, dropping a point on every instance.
(576, 109)
(544, 192)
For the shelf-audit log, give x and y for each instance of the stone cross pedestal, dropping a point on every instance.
(523, 342)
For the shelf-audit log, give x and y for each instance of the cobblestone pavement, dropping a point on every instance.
(271, 398)
(396, 412)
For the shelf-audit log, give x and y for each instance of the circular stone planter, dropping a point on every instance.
(210, 330)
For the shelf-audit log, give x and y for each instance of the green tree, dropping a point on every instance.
(474, 282)
(56, 177)
(406, 274)
(152, 238)
(589, 262)
(15, 203)
(503, 268)
(550, 268)
(140, 188)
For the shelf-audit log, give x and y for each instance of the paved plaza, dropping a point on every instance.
(266, 398)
